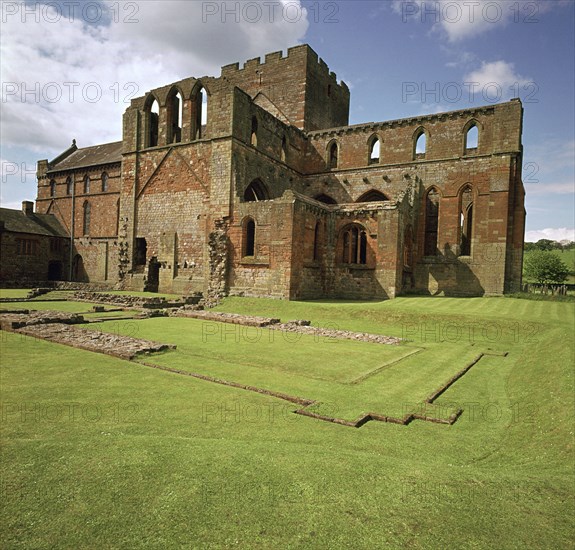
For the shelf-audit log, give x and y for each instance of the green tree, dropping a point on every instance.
(545, 267)
(545, 244)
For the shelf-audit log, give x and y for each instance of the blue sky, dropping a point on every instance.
(68, 71)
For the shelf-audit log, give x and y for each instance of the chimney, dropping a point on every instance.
(27, 208)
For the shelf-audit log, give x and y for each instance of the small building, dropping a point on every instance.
(33, 247)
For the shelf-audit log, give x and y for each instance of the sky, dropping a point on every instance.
(69, 69)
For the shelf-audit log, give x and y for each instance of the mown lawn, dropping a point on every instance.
(99, 452)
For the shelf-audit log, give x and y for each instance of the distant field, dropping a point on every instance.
(104, 453)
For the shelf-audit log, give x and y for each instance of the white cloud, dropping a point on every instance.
(65, 79)
(565, 188)
(458, 20)
(496, 80)
(553, 234)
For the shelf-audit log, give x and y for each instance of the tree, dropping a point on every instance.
(545, 267)
(545, 244)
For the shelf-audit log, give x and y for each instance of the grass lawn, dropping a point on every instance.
(38, 305)
(103, 453)
(14, 292)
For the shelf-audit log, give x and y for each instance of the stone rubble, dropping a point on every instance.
(133, 301)
(234, 318)
(14, 321)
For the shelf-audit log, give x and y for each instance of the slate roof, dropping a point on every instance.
(37, 224)
(106, 153)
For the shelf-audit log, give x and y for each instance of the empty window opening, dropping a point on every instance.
(374, 151)
(431, 222)
(175, 113)
(140, 251)
(254, 134)
(472, 138)
(372, 196)
(69, 186)
(154, 124)
(104, 182)
(249, 238)
(86, 183)
(326, 199)
(420, 144)
(256, 191)
(354, 246)
(466, 221)
(52, 188)
(201, 110)
(332, 156)
(86, 218)
(283, 154)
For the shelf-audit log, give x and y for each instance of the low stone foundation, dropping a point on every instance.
(123, 347)
(15, 321)
(300, 326)
(233, 318)
(134, 301)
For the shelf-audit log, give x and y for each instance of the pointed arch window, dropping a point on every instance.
(69, 186)
(201, 113)
(254, 132)
(472, 138)
(354, 250)
(326, 199)
(372, 196)
(175, 116)
(333, 154)
(466, 221)
(86, 184)
(256, 191)
(249, 238)
(86, 218)
(153, 114)
(431, 222)
(104, 182)
(374, 150)
(283, 155)
(316, 241)
(420, 144)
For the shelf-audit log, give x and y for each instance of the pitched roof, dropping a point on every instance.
(106, 153)
(37, 224)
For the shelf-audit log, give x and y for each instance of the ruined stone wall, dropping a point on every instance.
(268, 271)
(95, 260)
(307, 102)
(170, 213)
(174, 195)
